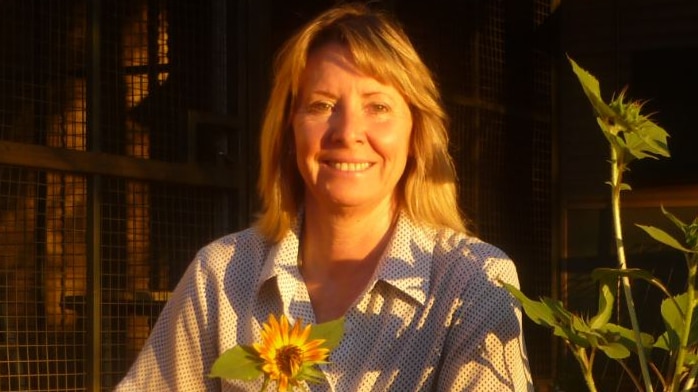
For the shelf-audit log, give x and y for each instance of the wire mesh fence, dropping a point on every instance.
(106, 109)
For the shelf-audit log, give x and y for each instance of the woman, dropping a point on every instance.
(360, 220)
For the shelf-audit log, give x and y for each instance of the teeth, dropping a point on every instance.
(350, 166)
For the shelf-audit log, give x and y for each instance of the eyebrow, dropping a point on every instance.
(323, 93)
(328, 94)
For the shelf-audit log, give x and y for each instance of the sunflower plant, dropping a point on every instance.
(287, 355)
(631, 136)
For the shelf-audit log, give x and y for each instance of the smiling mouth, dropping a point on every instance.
(349, 166)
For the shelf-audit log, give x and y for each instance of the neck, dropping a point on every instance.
(339, 254)
(345, 238)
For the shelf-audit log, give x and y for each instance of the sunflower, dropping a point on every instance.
(286, 353)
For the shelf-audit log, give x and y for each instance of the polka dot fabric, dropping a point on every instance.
(434, 317)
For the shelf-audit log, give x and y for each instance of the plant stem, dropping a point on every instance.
(659, 375)
(630, 374)
(265, 384)
(690, 380)
(617, 168)
(581, 355)
(688, 320)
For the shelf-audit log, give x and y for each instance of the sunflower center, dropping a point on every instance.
(289, 359)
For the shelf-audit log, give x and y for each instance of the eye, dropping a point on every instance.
(319, 107)
(378, 108)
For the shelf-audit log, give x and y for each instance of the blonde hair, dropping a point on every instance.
(380, 48)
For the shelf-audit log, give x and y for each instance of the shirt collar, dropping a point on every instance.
(405, 265)
(282, 263)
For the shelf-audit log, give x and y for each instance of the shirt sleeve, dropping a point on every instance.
(181, 347)
(485, 349)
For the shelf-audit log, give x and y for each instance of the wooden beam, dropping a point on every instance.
(51, 158)
(667, 196)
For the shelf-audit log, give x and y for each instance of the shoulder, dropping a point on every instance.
(247, 244)
(471, 257)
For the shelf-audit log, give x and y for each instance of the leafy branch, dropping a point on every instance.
(631, 136)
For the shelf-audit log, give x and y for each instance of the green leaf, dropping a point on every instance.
(331, 331)
(558, 309)
(690, 230)
(665, 341)
(673, 311)
(615, 350)
(619, 342)
(601, 274)
(311, 374)
(591, 88)
(606, 302)
(551, 313)
(691, 359)
(567, 325)
(239, 363)
(678, 222)
(638, 137)
(612, 274)
(666, 239)
(631, 134)
(537, 311)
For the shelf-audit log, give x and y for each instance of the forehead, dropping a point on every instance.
(334, 62)
(332, 55)
(331, 61)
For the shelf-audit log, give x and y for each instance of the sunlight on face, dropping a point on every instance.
(351, 133)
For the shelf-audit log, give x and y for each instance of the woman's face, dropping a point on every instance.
(351, 133)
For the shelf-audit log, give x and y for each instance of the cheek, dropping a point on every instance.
(305, 148)
(397, 143)
(310, 137)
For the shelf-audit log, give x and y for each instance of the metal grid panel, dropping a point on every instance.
(156, 62)
(540, 273)
(477, 138)
(492, 53)
(161, 60)
(150, 233)
(42, 81)
(43, 262)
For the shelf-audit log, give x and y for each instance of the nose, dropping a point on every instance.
(348, 125)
